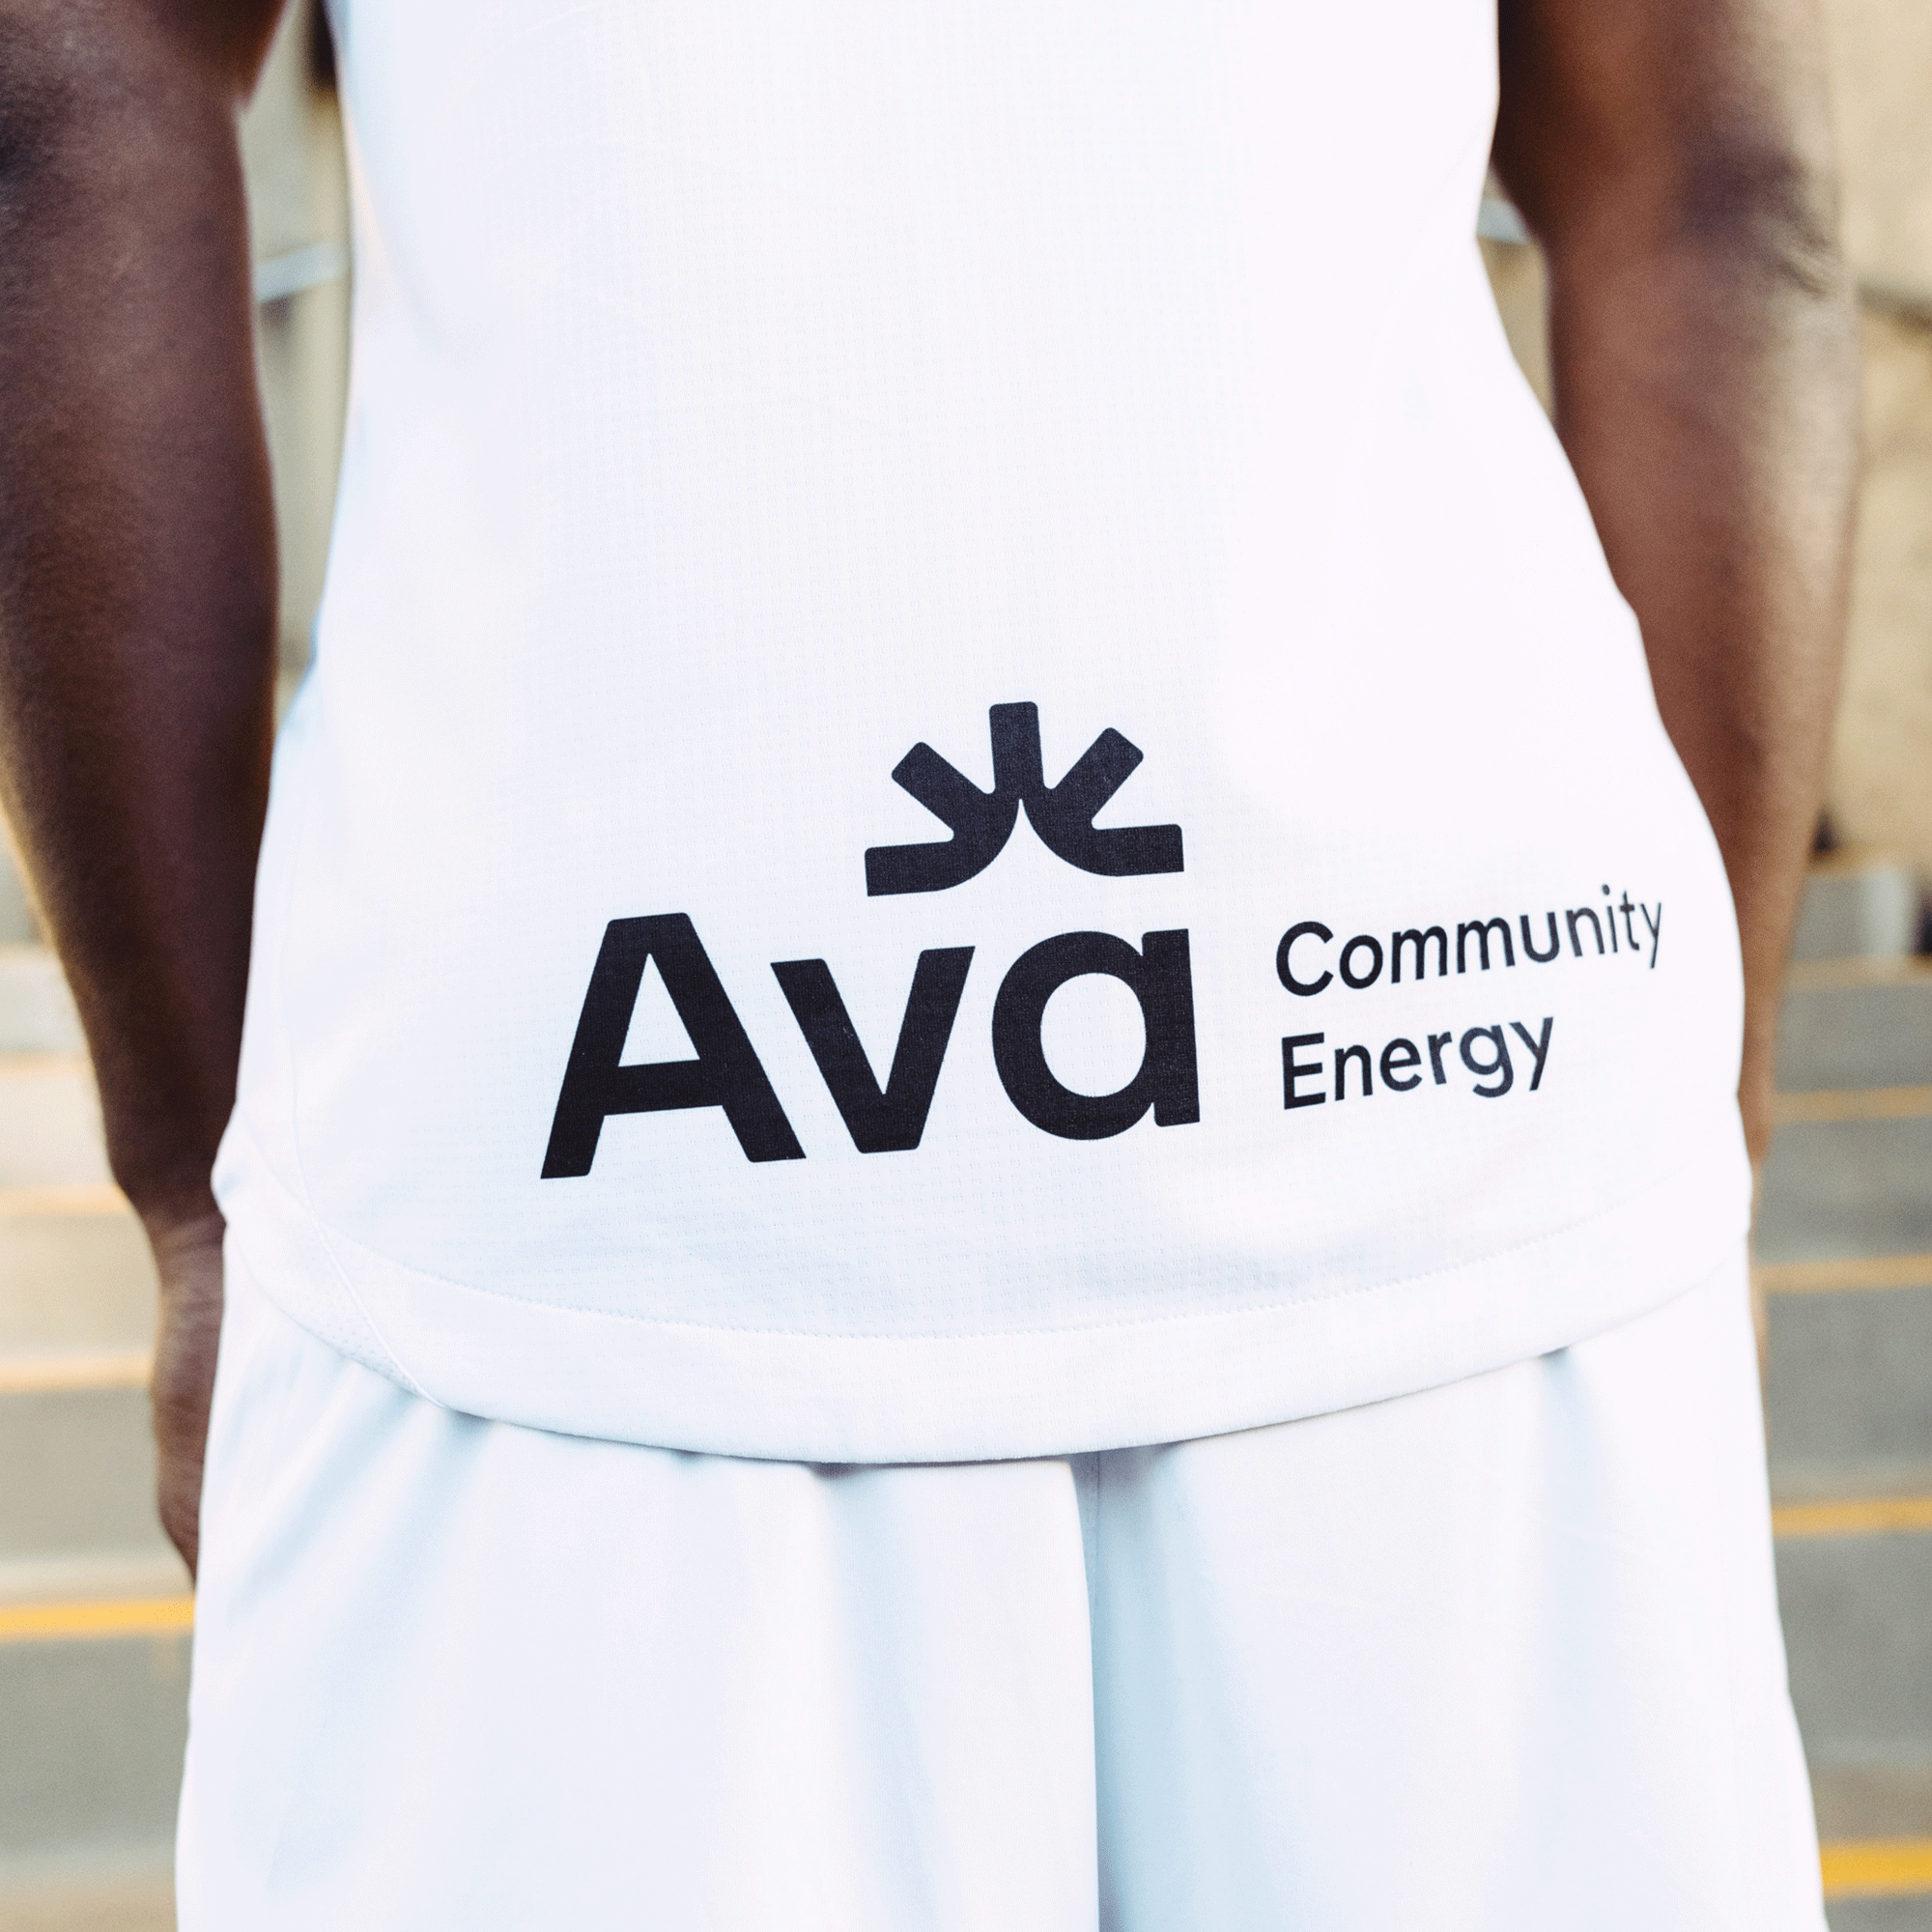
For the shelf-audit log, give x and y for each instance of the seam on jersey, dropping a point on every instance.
(1488, 1259)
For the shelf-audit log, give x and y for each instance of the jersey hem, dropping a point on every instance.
(799, 1397)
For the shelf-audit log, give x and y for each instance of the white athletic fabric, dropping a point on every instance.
(1502, 1656)
(754, 402)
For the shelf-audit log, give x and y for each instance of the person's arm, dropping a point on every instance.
(1675, 162)
(137, 596)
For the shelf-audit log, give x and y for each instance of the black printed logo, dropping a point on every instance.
(890, 1115)
(982, 821)
(725, 1072)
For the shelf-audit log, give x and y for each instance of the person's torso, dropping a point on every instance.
(961, 698)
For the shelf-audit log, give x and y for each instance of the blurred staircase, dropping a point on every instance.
(1844, 1253)
(93, 1606)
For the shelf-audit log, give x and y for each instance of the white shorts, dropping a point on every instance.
(1503, 1655)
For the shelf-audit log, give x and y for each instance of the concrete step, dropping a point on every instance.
(1879, 1914)
(1856, 1023)
(136, 1900)
(1836, 1190)
(37, 1013)
(146, 1573)
(1856, 1632)
(94, 1712)
(1875, 1799)
(77, 1475)
(1860, 1643)
(1849, 1393)
(76, 1274)
(49, 1122)
(1858, 903)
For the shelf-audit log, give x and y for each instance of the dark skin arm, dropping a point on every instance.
(137, 596)
(1674, 167)
(1675, 164)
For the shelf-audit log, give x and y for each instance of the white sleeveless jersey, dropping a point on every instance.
(973, 785)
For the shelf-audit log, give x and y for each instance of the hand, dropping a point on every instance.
(187, 1255)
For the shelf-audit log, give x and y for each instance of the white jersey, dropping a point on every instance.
(973, 785)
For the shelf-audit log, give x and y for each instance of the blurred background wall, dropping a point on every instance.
(1882, 770)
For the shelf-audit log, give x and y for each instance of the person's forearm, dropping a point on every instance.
(1708, 403)
(137, 573)
(1704, 351)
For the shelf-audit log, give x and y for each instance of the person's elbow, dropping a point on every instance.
(1764, 207)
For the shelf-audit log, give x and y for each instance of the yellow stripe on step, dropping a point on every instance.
(1832, 1277)
(1873, 1868)
(131, 1616)
(52, 1374)
(1855, 1103)
(1803, 976)
(1864, 1516)
(84, 1200)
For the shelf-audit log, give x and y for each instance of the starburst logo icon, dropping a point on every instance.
(982, 821)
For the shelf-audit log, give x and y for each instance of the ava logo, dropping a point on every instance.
(890, 1117)
(982, 821)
